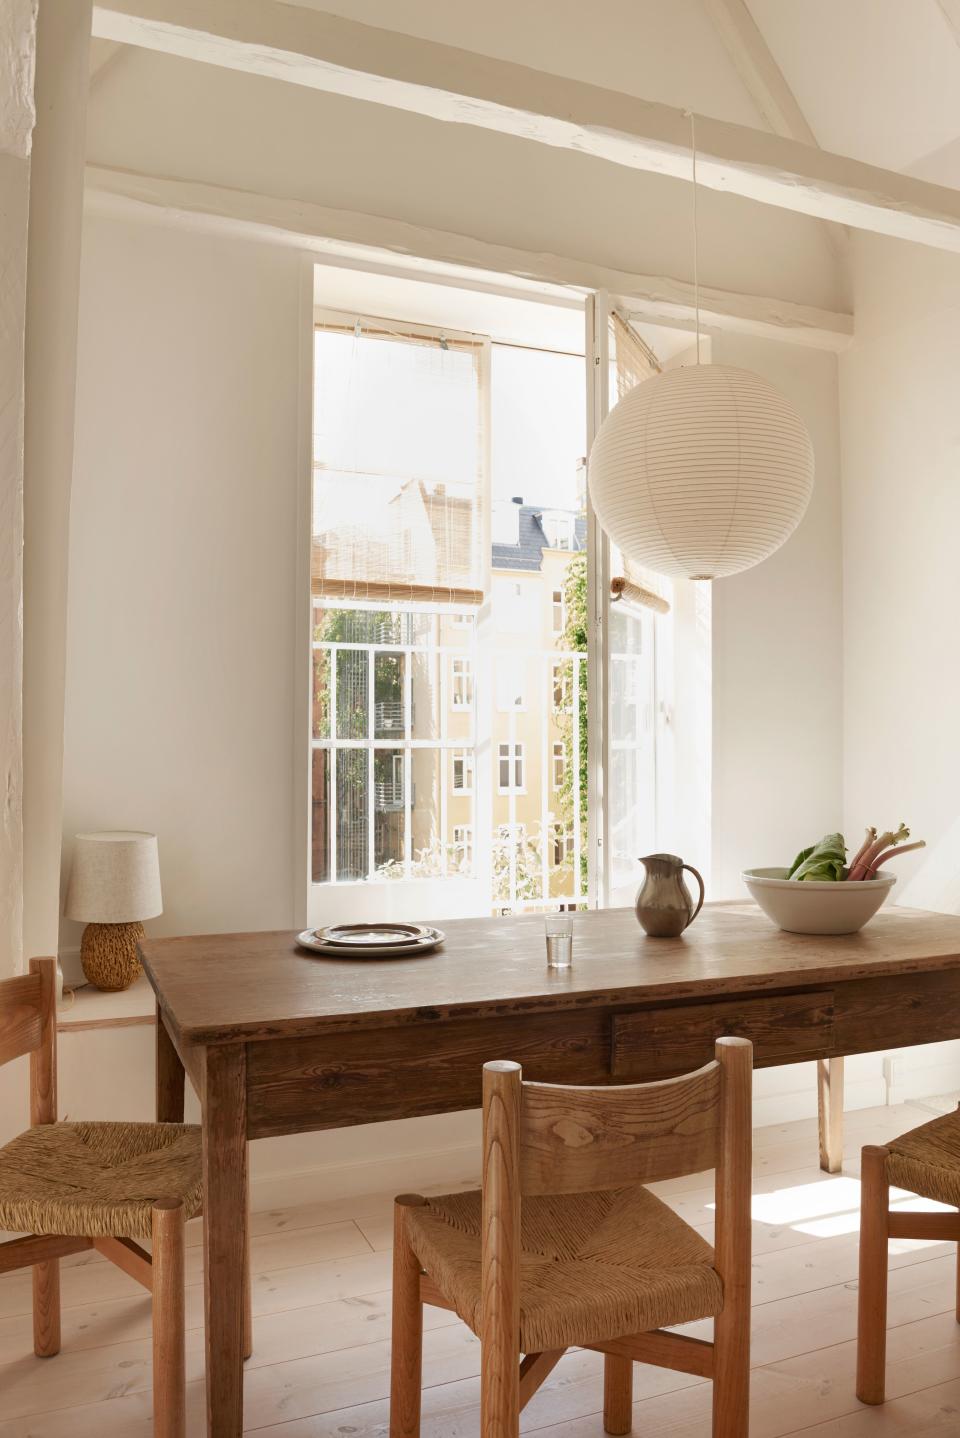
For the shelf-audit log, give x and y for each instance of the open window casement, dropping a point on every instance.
(399, 463)
(631, 362)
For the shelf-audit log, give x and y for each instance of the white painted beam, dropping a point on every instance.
(326, 52)
(762, 77)
(347, 236)
(765, 83)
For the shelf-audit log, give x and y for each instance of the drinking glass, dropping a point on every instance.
(559, 932)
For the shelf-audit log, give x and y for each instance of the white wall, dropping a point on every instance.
(17, 51)
(901, 455)
(181, 633)
(777, 653)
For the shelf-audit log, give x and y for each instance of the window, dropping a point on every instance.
(509, 609)
(562, 846)
(463, 846)
(562, 679)
(559, 612)
(463, 771)
(462, 683)
(511, 768)
(512, 833)
(559, 765)
(559, 530)
(511, 682)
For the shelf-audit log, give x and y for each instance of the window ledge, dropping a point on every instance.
(87, 1007)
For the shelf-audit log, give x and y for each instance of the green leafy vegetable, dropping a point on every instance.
(825, 862)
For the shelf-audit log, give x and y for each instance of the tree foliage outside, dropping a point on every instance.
(574, 637)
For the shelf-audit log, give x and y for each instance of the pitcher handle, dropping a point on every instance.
(699, 878)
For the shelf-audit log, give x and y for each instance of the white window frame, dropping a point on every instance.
(461, 682)
(561, 680)
(559, 605)
(465, 758)
(559, 758)
(512, 753)
(463, 839)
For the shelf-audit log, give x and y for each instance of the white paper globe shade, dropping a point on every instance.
(701, 472)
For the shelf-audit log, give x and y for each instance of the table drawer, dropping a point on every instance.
(784, 1028)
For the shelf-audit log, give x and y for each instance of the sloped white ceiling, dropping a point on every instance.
(876, 79)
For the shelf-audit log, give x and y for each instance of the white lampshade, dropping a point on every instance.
(115, 878)
(701, 472)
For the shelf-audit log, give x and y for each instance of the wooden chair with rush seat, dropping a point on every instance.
(74, 1186)
(564, 1246)
(925, 1161)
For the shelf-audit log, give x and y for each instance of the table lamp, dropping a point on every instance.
(114, 885)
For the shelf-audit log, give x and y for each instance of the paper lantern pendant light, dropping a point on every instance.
(701, 472)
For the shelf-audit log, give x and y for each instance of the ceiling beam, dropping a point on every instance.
(326, 52)
(762, 77)
(950, 10)
(104, 58)
(375, 241)
(766, 84)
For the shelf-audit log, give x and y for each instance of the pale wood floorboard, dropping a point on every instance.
(320, 1367)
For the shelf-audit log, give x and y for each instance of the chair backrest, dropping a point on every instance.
(28, 1025)
(549, 1138)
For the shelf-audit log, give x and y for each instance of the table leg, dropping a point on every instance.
(170, 1077)
(830, 1107)
(224, 1233)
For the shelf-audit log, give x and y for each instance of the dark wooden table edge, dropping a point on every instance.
(693, 989)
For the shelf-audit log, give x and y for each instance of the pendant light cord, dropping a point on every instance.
(696, 259)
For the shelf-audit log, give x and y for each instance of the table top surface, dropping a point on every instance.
(214, 988)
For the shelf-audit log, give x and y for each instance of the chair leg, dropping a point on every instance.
(169, 1327)
(731, 1370)
(406, 1351)
(617, 1394)
(247, 1286)
(872, 1302)
(46, 1308)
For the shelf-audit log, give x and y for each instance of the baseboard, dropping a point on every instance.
(394, 1174)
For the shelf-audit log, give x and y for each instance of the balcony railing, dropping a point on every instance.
(388, 795)
(388, 716)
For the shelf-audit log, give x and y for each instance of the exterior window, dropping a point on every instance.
(462, 686)
(562, 846)
(512, 833)
(559, 765)
(511, 768)
(463, 771)
(511, 683)
(463, 845)
(559, 612)
(562, 701)
(559, 530)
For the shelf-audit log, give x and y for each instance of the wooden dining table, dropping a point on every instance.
(279, 1040)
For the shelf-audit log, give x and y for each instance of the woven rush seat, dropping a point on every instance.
(926, 1160)
(593, 1266)
(98, 1180)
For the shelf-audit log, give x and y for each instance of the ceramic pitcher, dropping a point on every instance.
(664, 905)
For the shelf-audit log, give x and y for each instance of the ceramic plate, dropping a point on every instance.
(375, 935)
(429, 941)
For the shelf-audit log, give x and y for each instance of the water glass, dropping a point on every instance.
(559, 932)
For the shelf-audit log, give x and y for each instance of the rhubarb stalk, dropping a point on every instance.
(868, 843)
(867, 861)
(872, 869)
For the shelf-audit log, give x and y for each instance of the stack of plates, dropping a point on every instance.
(371, 941)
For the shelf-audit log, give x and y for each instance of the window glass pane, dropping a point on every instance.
(388, 696)
(389, 790)
(320, 817)
(397, 459)
(425, 699)
(321, 694)
(353, 854)
(426, 836)
(353, 678)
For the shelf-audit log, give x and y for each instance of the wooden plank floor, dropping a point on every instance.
(321, 1299)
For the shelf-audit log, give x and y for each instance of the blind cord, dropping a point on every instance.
(696, 259)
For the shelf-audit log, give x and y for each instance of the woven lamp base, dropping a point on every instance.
(108, 955)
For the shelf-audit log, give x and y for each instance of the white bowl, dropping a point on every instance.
(814, 906)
